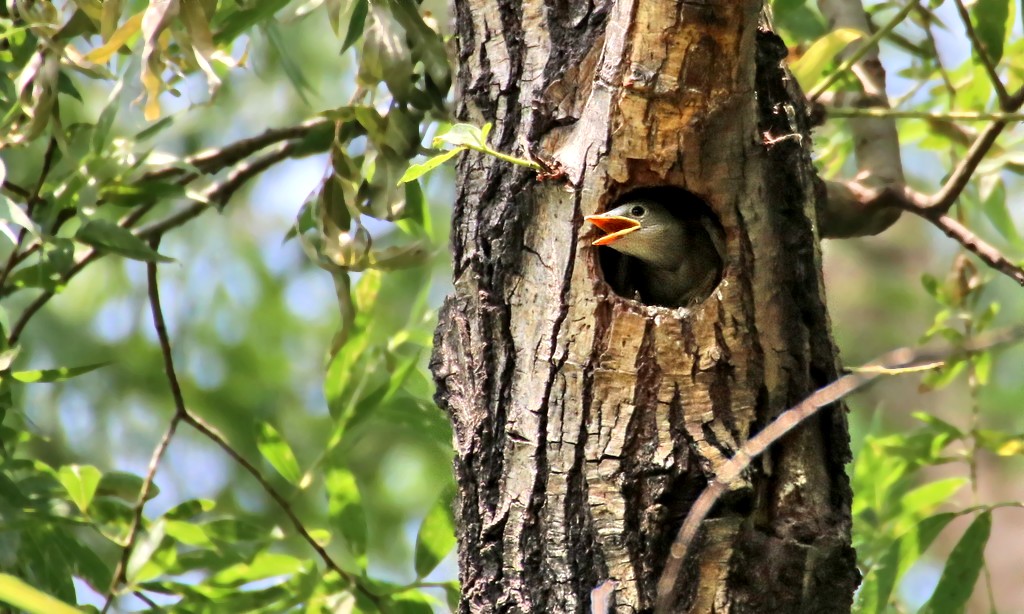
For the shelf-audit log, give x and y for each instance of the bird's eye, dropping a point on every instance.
(637, 211)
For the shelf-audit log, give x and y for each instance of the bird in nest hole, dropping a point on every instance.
(672, 259)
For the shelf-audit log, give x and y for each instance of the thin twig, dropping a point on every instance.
(145, 598)
(121, 571)
(209, 162)
(215, 160)
(946, 116)
(730, 470)
(210, 433)
(989, 254)
(944, 198)
(15, 189)
(860, 52)
(220, 193)
(986, 61)
(30, 205)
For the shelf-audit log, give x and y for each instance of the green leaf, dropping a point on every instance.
(238, 22)
(385, 56)
(464, 135)
(56, 257)
(145, 547)
(925, 498)
(962, 569)
(265, 565)
(415, 171)
(452, 595)
(942, 377)
(993, 203)
(276, 450)
(7, 357)
(873, 597)
(124, 486)
(189, 509)
(80, 482)
(156, 128)
(101, 133)
(416, 209)
(356, 24)
(345, 510)
(411, 602)
(108, 236)
(20, 595)
(436, 537)
(366, 291)
(46, 376)
(990, 24)
(811, 66)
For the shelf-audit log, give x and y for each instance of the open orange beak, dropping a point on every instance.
(616, 227)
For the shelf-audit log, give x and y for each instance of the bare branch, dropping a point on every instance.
(876, 141)
(850, 198)
(121, 571)
(215, 160)
(898, 361)
(944, 198)
(984, 250)
(220, 193)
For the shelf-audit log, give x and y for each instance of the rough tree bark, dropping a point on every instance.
(586, 423)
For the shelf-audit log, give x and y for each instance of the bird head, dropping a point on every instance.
(643, 229)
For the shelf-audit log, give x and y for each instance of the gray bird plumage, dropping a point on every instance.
(677, 257)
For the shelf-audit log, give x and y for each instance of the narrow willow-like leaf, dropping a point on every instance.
(22, 596)
(278, 453)
(811, 66)
(415, 171)
(874, 594)
(47, 376)
(436, 536)
(110, 237)
(962, 569)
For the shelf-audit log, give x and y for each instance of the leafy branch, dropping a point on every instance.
(462, 137)
(181, 414)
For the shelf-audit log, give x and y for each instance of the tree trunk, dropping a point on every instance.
(585, 422)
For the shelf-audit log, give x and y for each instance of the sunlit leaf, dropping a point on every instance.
(103, 53)
(46, 376)
(345, 510)
(811, 66)
(278, 453)
(80, 482)
(415, 171)
(20, 595)
(356, 23)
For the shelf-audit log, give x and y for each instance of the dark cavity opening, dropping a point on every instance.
(665, 246)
